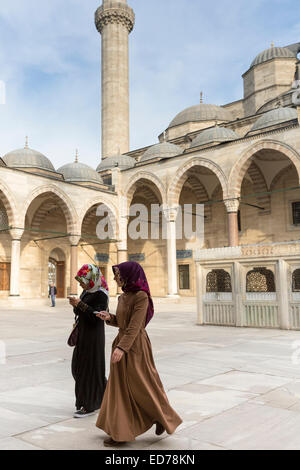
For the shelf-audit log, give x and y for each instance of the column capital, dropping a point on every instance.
(16, 233)
(170, 213)
(232, 205)
(114, 12)
(74, 240)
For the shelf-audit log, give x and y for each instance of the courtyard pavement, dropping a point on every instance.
(234, 388)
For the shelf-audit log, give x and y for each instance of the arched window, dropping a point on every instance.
(260, 280)
(296, 281)
(218, 280)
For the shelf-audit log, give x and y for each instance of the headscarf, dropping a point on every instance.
(92, 276)
(135, 280)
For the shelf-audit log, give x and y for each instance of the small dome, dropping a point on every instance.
(27, 158)
(163, 150)
(214, 134)
(120, 161)
(275, 116)
(80, 173)
(272, 53)
(202, 112)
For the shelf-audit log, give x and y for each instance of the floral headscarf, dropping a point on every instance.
(135, 279)
(92, 276)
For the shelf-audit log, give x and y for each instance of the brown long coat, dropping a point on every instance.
(134, 398)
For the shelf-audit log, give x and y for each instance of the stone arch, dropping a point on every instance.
(260, 186)
(283, 172)
(65, 203)
(8, 201)
(201, 193)
(240, 168)
(144, 175)
(113, 211)
(178, 181)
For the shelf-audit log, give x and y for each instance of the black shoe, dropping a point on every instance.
(82, 413)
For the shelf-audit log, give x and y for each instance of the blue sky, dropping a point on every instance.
(50, 62)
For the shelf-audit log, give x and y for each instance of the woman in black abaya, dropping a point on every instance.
(88, 362)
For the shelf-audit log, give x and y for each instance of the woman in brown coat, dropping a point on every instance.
(134, 398)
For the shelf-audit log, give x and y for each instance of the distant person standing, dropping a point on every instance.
(52, 294)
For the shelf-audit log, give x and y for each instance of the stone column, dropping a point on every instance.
(170, 215)
(232, 206)
(115, 20)
(74, 240)
(282, 289)
(200, 285)
(122, 245)
(16, 235)
(237, 294)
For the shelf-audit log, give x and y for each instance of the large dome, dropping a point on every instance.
(80, 173)
(272, 53)
(120, 161)
(163, 150)
(214, 134)
(273, 117)
(27, 158)
(202, 112)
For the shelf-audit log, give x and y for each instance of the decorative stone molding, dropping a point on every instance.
(16, 233)
(114, 12)
(249, 251)
(232, 205)
(170, 213)
(74, 240)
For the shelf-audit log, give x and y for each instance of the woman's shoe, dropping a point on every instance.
(82, 413)
(111, 443)
(159, 429)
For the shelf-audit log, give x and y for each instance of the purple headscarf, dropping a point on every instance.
(135, 280)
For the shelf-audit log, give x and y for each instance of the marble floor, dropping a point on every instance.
(234, 388)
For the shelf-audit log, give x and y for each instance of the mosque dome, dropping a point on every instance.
(273, 117)
(79, 173)
(273, 53)
(27, 158)
(162, 150)
(214, 134)
(202, 112)
(120, 161)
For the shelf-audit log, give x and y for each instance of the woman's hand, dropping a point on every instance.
(73, 301)
(103, 315)
(117, 355)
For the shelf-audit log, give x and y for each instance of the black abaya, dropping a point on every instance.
(88, 362)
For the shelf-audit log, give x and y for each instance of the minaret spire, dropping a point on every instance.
(115, 20)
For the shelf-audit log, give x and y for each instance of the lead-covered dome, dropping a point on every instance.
(202, 112)
(124, 162)
(79, 173)
(162, 150)
(273, 53)
(28, 158)
(214, 135)
(274, 117)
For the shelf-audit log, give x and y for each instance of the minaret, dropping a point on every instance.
(114, 21)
